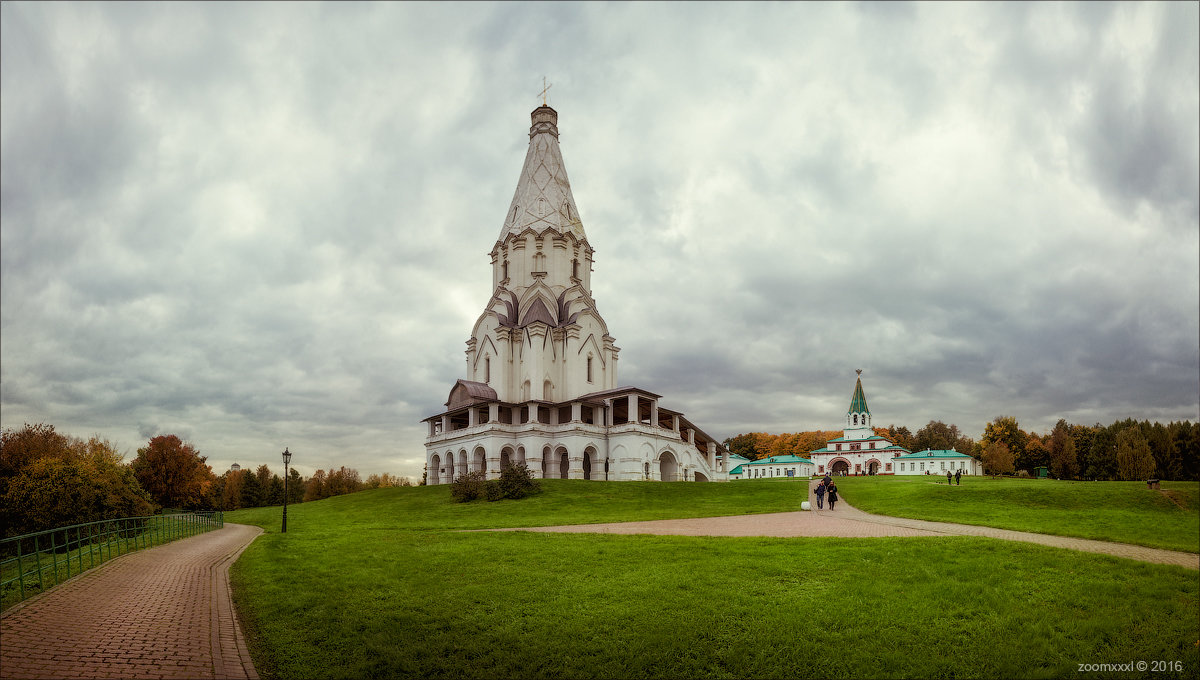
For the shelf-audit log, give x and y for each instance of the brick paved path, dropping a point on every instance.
(849, 522)
(164, 612)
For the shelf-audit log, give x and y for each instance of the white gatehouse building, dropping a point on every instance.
(859, 451)
(541, 366)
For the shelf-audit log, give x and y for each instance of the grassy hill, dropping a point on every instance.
(1125, 512)
(380, 584)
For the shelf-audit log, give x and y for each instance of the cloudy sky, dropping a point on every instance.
(267, 225)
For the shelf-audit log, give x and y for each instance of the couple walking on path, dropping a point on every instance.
(826, 488)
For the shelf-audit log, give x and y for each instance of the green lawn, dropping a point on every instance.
(376, 585)
(1126, 512)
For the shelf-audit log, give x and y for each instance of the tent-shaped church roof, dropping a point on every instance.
(543, 197)
(858, 403)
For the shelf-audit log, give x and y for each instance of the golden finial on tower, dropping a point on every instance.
(545, 88)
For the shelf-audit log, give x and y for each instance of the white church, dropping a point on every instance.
(541, 382)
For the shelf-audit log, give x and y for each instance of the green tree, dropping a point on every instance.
(252, 491)
(295, 486)
(939, 436)
(173, 473)
(1134, 460)
(742, 445)
(275, 491)
(1063, 463)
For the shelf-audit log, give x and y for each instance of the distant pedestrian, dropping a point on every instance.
(831, 492)
(821, 495)
(948, 477)
(958, 477)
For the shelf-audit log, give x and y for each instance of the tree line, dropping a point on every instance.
(49, 479)
(1124, 450)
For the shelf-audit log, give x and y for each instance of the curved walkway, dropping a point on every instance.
(164, 612)
(849, 522)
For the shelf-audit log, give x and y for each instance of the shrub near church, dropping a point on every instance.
(516, 481)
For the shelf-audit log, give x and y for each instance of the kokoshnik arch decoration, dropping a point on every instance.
(541, 367)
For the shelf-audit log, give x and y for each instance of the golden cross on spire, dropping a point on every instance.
(545, 88)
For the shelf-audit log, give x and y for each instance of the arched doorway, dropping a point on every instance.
(873, 467)
(505, 457)
(564, 464)
(462, 462)
(668, 468)
(699, 477)
(480, 463)
(435, 464)
(587, 465)
(840, 467)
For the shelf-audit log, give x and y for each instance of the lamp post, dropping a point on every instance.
(287, 458)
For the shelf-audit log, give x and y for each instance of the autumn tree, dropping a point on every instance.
(1037, 454)
(173, 473)
(316, 487)
(231, 496)
(900, 436)
(1004, 429)
(997, 458)
(384, 481)
(52, 480)
(1134, 460)
(264, 476)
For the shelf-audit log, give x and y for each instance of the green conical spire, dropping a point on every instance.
(858, 403)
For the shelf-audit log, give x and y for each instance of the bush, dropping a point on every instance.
(468, 487)
(493, 491)
(516, 481)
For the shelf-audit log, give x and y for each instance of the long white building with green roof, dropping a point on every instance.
(773, 466)
(931, 462)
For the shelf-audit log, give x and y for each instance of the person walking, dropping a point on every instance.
(958, 477)
(827, 479)
(831, 492)
(820, 495)
(948, 477)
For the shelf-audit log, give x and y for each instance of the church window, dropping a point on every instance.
(872, 444)
(575, 269)
(487, 369)
(837, 447)
(922, 466)
(505, 277)
(856, 419)
(589, 368)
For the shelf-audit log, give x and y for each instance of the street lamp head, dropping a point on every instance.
(287, 456)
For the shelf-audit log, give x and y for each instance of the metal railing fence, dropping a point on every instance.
(33, 563)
